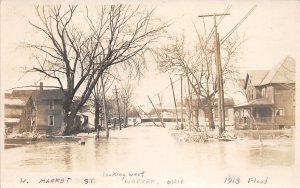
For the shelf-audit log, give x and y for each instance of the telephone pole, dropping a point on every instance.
(158, 115)
(181, 102)
(147, 116)
(160, 105)
(125, 111)
(116, 92)
(220, 89)
(174, 102)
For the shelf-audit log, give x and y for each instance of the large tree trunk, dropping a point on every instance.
(197, 112)
(210, 114)
(69, 121)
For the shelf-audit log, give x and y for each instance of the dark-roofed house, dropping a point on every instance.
(38, 111)
(271, 98)
(49, 111)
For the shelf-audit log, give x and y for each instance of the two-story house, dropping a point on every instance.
(41, 111)
(271, 98)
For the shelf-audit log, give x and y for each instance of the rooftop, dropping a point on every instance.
(283, 72)
(256, 102)
(51, 94)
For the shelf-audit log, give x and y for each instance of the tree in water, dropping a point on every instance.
(79, 45)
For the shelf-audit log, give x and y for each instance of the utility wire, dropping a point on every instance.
(219, 21)
(238, 24)
(166, 87)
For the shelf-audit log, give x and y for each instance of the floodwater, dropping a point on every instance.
(149, 149)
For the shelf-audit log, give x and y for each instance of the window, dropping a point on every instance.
(280, 112)
(51, 120)
(51, 105)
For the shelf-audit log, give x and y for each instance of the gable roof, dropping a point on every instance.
(284, 72)
(254, 77)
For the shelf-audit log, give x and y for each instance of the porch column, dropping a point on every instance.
(273, 115)
(251, 117)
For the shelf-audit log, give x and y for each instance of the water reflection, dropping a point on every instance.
(151, 149)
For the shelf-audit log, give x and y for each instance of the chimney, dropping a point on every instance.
(41, 86)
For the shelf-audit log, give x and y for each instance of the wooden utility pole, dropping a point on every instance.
(125, 111)
(174, 102)
(160, 105)
(220, 89)
(181, 102)
(104, 108)
(147, 115)
(156, 112)
(116, 92)
(190, 103)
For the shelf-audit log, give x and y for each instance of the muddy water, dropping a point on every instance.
(148, 148)
(150, 151)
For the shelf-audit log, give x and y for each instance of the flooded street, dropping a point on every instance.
(149, 149)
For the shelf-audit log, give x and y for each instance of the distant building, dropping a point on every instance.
(14, 105)
(37, 110)
(167, 115)
(271, 98)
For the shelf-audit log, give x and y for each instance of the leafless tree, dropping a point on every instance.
(98, 99)
(197, 64)
(126, 94)
(76, 53)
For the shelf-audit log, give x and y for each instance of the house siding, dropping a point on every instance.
(284, 100)
(43, 114)
(272, 104)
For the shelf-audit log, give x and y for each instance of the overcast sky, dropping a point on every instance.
(271, 32)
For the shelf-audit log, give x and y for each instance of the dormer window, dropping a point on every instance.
(51, 105)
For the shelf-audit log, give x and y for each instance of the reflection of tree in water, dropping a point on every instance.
(101, 149)
(67, 158)
(222, 154)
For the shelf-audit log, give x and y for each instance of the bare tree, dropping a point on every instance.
(76, 54)
(126, 94)
(98, 99)
(197, 64)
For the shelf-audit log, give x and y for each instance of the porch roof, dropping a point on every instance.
(256, 102)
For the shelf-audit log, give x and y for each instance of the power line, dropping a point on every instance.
(166, 87)
(219, 73)
(238, 24)
(219, 21)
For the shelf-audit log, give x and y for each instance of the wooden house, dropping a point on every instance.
(271, 98)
